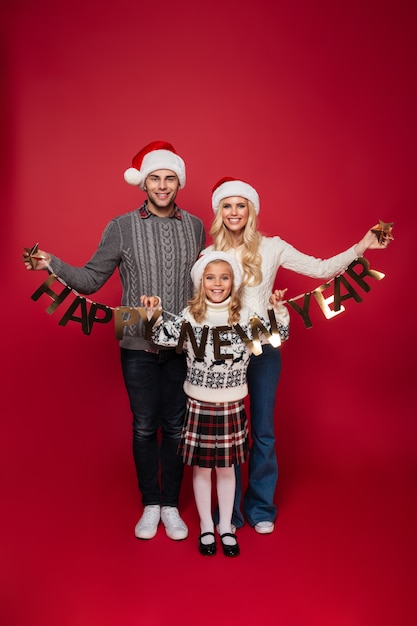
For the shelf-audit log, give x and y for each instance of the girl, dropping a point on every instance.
(215, 433)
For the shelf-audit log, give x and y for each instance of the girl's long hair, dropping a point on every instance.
(198, 304)
(251, 240)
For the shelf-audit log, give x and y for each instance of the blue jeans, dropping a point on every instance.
(258, 503)
(154, 383)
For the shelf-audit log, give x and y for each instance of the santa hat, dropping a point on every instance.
(227, 187)
(199, 266)
(157, 155)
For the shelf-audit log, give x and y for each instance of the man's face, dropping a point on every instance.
(161, 187)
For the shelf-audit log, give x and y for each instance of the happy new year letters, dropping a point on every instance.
(88, 313)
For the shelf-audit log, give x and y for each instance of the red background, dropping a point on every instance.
(314, 104)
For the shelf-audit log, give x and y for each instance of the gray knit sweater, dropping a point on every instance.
(153, 255)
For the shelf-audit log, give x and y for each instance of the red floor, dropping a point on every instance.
(343, 554)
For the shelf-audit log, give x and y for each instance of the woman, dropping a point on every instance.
(234, 230)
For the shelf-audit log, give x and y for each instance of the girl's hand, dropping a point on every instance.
(150, 302)
(277, 296)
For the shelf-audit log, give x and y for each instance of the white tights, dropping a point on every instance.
(226, 485)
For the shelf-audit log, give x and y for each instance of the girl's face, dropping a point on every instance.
(235, 214)
(217, 281)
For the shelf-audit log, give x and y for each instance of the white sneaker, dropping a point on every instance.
(148, 524)
(174, 526)
(264, 528)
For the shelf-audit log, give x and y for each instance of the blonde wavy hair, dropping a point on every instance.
(251, 240)
(198, 303)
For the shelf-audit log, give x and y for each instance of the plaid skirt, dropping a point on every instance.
(214, 435)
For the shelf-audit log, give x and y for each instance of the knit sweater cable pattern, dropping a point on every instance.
(276, 253)
(153, 255)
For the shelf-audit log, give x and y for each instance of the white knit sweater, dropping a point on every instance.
(209, 379)
(275, 252)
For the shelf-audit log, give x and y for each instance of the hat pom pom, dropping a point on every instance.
(132, 176)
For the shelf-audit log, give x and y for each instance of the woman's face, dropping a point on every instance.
(235, 214)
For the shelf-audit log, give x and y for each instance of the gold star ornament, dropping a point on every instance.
(30, 255)
(383, 231)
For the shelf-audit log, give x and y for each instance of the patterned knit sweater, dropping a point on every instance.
(276, 253)
(153, 255)
(209, 378)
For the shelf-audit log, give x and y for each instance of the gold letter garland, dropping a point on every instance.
(125, 316)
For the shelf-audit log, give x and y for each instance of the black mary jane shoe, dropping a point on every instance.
(232, 550)
(207, 549)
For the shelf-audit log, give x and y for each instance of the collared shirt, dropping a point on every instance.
(144, 212)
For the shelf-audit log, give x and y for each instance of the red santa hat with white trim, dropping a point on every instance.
(157, 155)
(227, 187)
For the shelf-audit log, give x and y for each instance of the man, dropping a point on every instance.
(154, 248)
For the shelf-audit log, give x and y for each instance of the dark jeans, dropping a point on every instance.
(154, 383)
